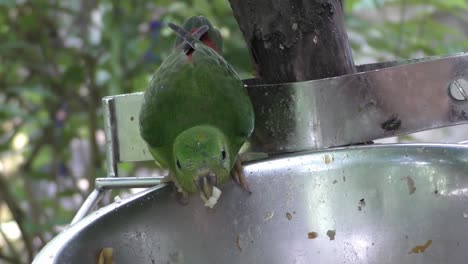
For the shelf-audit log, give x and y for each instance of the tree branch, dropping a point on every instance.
(18, 215)
(9, 259)
(94, 99)
(12, 248)
(36, 212)
(295, 40)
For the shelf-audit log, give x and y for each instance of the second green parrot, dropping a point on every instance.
(196, 113)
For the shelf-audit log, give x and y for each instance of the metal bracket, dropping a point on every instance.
(386, 99)
(381, 100)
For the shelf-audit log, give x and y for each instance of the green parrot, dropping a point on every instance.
(196, 114)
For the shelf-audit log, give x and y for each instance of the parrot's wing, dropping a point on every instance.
(159, 159)
(235, 98)
(211, 54)
(185, 93)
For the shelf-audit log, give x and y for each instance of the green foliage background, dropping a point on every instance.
(58, 59)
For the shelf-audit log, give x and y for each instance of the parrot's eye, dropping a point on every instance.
(178, 165)
(223, 154)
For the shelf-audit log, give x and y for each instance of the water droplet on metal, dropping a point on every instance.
(294, 26)
(315, 39)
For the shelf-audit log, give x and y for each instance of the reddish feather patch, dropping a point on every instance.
(205, 39)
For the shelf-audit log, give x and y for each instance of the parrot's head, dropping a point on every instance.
(201, 159)
(212, 38)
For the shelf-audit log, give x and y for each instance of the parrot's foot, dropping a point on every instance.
(180, 195)
(239, 176)
(167, 179)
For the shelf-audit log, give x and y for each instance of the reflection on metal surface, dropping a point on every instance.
(127, 182)
(88, 205)
(388, 64)
(152, 227)
(458, 192)
(358, 107)
(126, 111)
(112, 139)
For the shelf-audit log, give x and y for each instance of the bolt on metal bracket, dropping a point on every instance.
(459, 89)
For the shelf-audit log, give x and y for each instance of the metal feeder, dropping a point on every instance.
(396, 203)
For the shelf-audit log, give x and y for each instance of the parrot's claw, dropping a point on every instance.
(182, 197)
(239, 176)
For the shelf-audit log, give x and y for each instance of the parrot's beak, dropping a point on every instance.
(206, 183)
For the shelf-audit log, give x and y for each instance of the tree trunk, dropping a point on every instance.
(295, 40)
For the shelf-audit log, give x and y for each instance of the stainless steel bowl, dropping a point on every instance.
(372, 204)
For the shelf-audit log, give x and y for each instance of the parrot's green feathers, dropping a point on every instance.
(213, 35)
(196, 115)
(199, 151)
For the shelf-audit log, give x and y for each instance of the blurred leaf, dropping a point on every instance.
(33, 93)
(67, 193)
(19, 191)
(8, 111)
(7, 3)
(349, 5)
(74, 74)
(42, 159)
(41, 175)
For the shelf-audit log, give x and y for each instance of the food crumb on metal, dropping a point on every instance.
(362, 204)
(410, 183)
(269, 216)
(328, 159)
(238, 243)
(312, 235)
(420, 248)
(331, 234)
